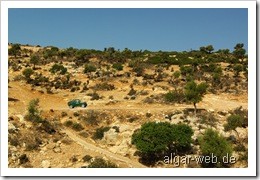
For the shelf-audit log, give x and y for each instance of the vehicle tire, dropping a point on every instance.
(71, 107)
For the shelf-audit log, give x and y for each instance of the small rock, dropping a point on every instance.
(50, 146)
(46, 164)
(57, 150)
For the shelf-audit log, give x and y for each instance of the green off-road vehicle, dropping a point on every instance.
(77, 103)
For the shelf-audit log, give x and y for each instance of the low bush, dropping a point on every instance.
(104, 87)
(89, 68)
(233, 121)
(87, 158)
(99, 134)
(94, 96)
(68, 123)
(116, 128)
(118, 66)
(131, 92)
(101, 163)
(84, 134)
(174, 96)
(58, 68)
(23, 159)
(91, 118)
(77, 126)
(63, 114)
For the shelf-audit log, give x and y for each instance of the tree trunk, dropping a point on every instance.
(195, 108)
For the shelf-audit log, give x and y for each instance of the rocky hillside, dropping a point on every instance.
(124, 90)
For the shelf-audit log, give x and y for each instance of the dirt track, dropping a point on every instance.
(102, 152)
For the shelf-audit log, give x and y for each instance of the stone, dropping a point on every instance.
(46, 164)
(57, 150)
(110, 137)
(11, 128)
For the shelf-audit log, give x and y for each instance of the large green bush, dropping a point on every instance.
(154, 140)
(211, 143)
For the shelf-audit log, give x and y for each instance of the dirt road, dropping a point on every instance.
(102, 152)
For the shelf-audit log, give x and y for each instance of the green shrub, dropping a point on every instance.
(23, 159)
(33, 112)
(63, 114)
(89, 68)
(101, 163)
(139, 69)
(46, 126)
(131, 92)
(87, 158)
(176, 74)
(91, 118)
(233, 121)
(118, 66)
(58, 68)
(240, 147)
(211, 143)
(207, 119)
(174, 96)
(27, 73)
(116, 128)
(104, 87)
(99, 134)
(68, 123)
(77, 126)
(84, 134)
(94, 96)
(153, 140)
(133, 118)
(76, 114)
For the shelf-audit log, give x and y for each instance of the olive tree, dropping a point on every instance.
(194, 92)
(35, 59)
(15, 50)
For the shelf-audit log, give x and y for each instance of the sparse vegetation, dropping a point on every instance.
(104, 87)
(127, 89)
(101, 163)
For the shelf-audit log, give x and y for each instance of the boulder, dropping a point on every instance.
(110, 137)
(45, 164)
